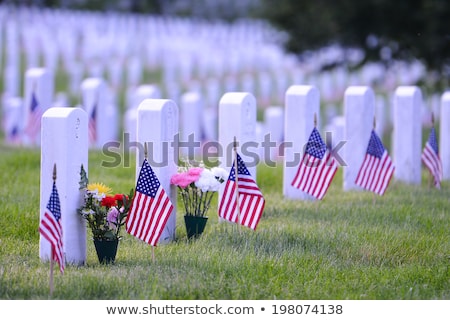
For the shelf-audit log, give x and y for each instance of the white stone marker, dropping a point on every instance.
(302, 102)
(191, 116)
(444, 139)
(359, 113)
(65, 143)
(157, 125)
(95, 103)
(12, 119)
(38, 83)
(237, 118)
(142, 92)
(407, 134)
(274, 126)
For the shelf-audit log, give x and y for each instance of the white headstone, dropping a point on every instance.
(444, 140)
(274, 126)
(142, 92)
(407, 134)
(157, 125)
(39, 90)
(191, 113)
(302, 103)
(12, 120)
(96, 104)
(64, 130)
(237, 119)
(359, 113)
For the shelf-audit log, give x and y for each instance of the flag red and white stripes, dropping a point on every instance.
(92, 125)
(150, 209)
(317, 168)
(377, 168)
(431, 159)
(51, 229)
(251, 200)
(33, 125)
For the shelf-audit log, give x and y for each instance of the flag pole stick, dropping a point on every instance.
(51, 271)
(315, 126)
(237, 180)
(145, 157)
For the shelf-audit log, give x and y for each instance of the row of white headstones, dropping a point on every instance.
(242, 56)
(64, 142)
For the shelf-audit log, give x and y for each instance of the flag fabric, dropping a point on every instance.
(377, 168)
(33, 125)
(13, 136)
(51, 229)
(150, 209)
(317, 168)
(431, 159)
(251, 200)
(92, 125)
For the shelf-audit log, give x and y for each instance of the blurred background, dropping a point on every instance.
(215, 46)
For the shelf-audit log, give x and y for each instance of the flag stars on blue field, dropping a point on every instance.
(375, 147)
(316, 147)
(147, 183)
(53, 204)
(242, 169)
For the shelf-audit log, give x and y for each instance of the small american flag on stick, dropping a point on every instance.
(242, 201)
(431, 159)
(317, 168)
(377, 168)
(150, 209)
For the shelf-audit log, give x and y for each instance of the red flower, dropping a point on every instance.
(119, 197)
(108, 201)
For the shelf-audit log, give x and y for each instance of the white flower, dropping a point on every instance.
(220, 173)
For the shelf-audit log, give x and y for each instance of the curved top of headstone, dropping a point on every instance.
(358, 90)
(237, 98)
(61, 112)
(156, 104)
(407, 90)
(301, 89)
(35, 72)
(91, 82)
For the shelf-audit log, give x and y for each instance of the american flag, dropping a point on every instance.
(317, 168)
(377, 168)
(150, 209)
(14, 135)
(251, 200)
(34, 119)
(92, 125)
(431, 159)
(50, 228)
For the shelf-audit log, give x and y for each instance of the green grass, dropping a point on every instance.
(347, 246)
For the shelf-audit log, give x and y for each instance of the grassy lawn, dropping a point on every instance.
(347, 246)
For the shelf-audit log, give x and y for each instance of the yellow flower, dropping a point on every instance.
(100, 187)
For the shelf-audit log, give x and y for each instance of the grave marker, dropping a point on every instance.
(157, 125)
(359, 113)
(302, 103)
(407, 134)
(444, 150)
(64, 130)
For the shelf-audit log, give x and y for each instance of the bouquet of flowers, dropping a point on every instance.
(104, 212)
(197, 186)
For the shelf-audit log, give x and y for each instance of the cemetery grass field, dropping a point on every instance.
(345, 247)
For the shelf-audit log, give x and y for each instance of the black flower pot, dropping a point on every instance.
(106, 250)
(194, 225)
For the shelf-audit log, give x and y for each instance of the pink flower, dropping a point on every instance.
(113, 216)
(183, 179)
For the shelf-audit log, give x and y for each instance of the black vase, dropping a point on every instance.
(194, 225)
(106, 250)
